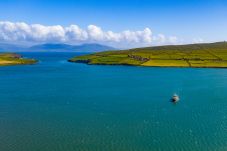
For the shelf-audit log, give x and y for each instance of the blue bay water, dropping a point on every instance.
(60, 106)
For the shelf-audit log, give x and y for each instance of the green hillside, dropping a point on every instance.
(193, 55)
(14, 59)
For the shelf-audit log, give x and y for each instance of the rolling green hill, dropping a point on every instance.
(192, 55)
(14, 59)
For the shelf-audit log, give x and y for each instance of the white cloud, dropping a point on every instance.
(160, 38)
(37, 33)
(197, 40)
(75, 33)
(173, 39)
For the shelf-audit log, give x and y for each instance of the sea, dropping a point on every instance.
(56, 105)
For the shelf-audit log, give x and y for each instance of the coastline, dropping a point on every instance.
(103, 64)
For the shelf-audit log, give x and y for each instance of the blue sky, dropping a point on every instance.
(187, 20)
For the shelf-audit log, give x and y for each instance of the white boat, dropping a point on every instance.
(175, 98)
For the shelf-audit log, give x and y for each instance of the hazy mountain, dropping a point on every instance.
(11, 47)
(56, 47)
(66, 47)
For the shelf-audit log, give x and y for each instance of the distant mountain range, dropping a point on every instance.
(49, 47)
(11, 47)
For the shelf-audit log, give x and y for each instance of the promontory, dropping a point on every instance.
(206, 55)
(7, 59)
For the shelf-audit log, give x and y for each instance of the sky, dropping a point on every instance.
(118, 23)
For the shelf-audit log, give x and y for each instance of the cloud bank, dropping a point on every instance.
(37, 33)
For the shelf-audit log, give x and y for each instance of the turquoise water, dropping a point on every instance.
(61, 106)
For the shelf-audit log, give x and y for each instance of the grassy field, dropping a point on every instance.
(7, 59)
(212, 55)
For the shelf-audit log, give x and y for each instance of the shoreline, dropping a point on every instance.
(130, 65)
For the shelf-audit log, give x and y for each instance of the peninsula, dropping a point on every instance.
(7, 59)
(207, 55)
